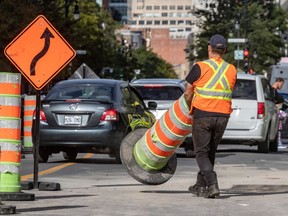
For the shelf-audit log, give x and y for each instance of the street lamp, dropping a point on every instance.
(76, 13)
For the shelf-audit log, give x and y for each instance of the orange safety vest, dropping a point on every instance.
(213, 90)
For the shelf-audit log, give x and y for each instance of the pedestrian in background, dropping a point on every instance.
(209, 92)
(277, 85)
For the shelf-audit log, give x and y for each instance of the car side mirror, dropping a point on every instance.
(152, 105)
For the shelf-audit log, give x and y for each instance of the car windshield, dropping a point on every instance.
(244, 89)
(158, 92)
(87, 91)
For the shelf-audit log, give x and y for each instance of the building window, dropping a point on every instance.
(164, 7)
(180, 22)
(180, 30)
(156, 7)
(141, 22)
(133, 22)
(187, 7)
(172, 7)
(149, 22)
(157, 14)
(172, 29)
(172, 22)
(148, 7)
(180, 7)
(188, 22)
(188, 29)
(164, 14)
(165, 22)
(157, 22)
(172, 14)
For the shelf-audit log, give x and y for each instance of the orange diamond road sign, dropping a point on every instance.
(39, 52)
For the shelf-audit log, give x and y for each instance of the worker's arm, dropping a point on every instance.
(189, 91)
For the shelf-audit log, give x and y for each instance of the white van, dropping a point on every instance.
(254, 120)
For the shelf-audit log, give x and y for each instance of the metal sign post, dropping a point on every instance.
(37, 139)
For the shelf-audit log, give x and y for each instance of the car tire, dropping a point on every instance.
(263, 147)
(190, 153)
(71, 156)
(189, 148)
(43, 155)
(273, 147)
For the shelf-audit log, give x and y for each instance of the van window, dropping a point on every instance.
(244, 89)
(267, 89)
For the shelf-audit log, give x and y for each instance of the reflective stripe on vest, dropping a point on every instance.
(209, 90)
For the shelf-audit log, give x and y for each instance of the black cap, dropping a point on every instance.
(218, 41)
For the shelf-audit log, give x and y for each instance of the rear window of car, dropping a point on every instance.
(159, 92)
(245, 89)
(87, 91)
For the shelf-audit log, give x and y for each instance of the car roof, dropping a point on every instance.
(242, 75)
(91, 81)
(158, 81)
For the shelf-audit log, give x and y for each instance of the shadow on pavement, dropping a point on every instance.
(237, 190)
(29, 209)
(61, 197)
(255, 190)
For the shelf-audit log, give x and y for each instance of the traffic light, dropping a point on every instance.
(246, 66)
(246, 54)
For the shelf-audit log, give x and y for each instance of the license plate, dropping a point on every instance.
(72, 120)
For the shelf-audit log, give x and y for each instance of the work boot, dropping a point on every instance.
(212, 191)
(198, 190)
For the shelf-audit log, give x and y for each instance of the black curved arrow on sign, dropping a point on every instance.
(47, 35)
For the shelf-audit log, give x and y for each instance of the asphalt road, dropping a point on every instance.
(250, 183)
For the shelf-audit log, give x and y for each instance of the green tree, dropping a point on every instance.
(259, 20)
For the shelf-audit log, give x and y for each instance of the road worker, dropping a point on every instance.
(208, 92)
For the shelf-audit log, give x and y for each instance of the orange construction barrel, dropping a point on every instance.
(29, 107)
(149, 154)
(10, 131)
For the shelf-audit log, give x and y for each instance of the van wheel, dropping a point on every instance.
(71, 156)
(273, 147)
(263, 147)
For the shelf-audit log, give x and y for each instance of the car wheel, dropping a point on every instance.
(273, 147)
(71, 156)
(263, 147)
(117, 156)
(189, 148)
(43, 155)
(190, 153)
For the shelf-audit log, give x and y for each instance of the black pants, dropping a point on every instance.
(207, 133)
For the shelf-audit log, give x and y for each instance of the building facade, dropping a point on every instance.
(165, 24)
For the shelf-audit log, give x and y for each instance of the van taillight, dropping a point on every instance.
(42, 115)
(110, 115)
(261, 110)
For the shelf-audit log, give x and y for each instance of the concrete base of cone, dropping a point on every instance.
(16, 196)
(5, 210)
(134, 170)
(42, 186)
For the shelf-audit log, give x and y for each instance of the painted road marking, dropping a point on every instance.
(53, 169)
